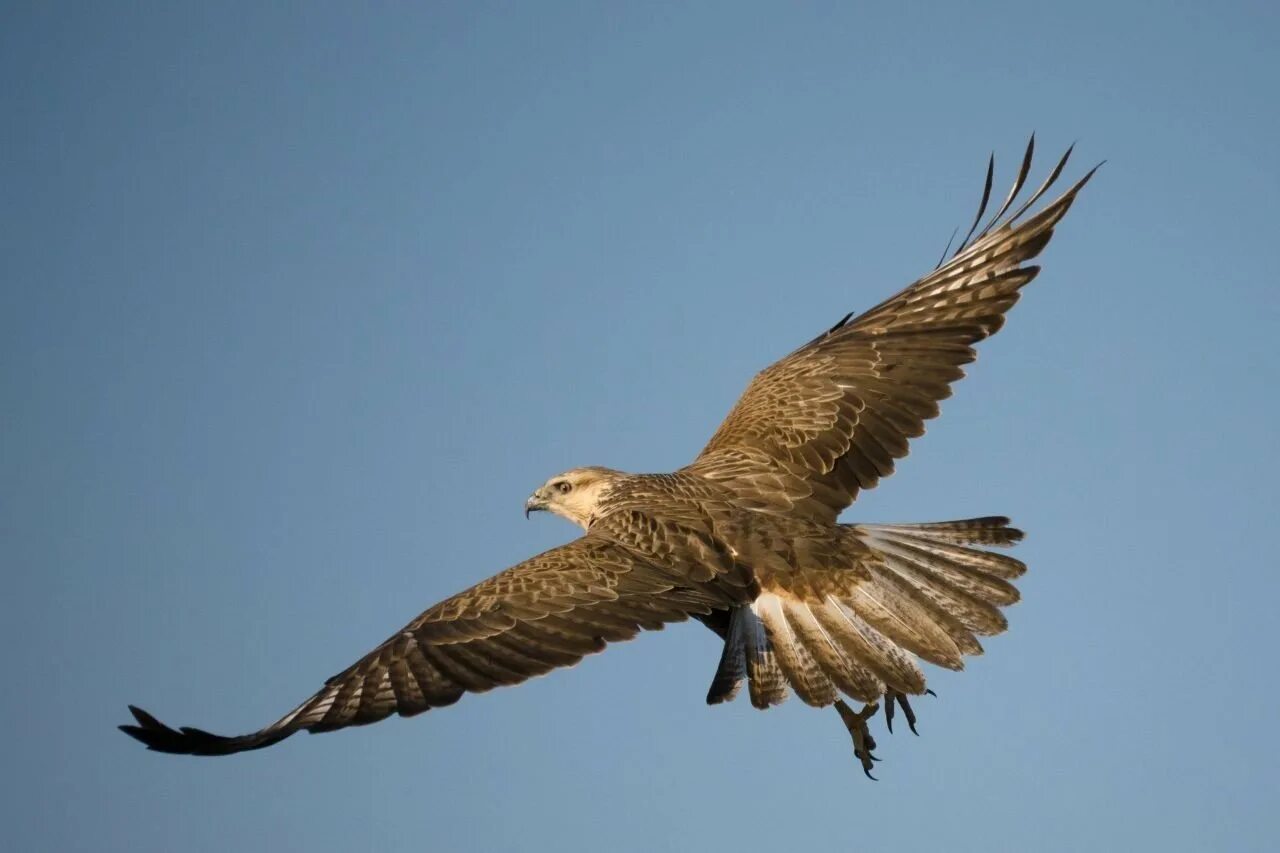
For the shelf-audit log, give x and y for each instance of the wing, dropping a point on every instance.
(815, 428)
(544, 613)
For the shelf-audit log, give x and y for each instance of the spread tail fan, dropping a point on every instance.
(912, 591)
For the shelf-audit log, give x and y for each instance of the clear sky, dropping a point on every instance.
(299, 303)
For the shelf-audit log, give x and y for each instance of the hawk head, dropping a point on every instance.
(574, 495)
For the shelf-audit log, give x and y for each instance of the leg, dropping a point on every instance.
(856, 723)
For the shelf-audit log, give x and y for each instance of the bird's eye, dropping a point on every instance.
(563, 487)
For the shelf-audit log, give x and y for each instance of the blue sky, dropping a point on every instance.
(299, 303)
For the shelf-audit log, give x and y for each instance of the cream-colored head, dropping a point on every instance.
(574, 495)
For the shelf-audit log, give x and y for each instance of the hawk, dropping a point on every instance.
(745, 538)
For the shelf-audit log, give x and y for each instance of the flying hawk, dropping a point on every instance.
(745, 538)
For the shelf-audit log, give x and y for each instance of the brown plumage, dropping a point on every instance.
(745, 538)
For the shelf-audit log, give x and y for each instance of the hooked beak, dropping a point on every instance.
(535, 503)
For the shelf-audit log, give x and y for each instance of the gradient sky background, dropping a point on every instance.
(300, 303)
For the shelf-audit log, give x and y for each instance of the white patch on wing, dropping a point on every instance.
(320, 708)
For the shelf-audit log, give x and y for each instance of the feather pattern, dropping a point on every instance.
(545, 613)
(832, 418)
(858, 629)
(767, 685)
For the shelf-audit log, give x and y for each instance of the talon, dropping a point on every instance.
(892, 699)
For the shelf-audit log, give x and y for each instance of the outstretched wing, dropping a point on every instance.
(830, 419)
(544, 613)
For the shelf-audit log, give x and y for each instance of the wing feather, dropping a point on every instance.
(832, 418)
(547, 612)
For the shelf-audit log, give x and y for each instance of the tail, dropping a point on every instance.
(905, 591)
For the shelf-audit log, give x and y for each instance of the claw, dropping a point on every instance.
(909, 714)
(890, 699)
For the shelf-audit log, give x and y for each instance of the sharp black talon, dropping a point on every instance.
(888, 711)
(869, 776)
(931, 693)
(909, 713)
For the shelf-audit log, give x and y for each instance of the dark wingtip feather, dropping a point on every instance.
(840, 323)
(1064, 202)
(151, 732)
(1053, 176)
(144, 719)
(950, 240)
(982, 208)
(158, 737)
(1089, 174)
(1023, 172)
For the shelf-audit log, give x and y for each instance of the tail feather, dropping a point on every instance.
(894, 613)
(794, 657)
(766, 684)
(845, 674)
(987, 530)
(962, 616)
(953, 573)
(910, 590)
(947, 548)
(863, 644)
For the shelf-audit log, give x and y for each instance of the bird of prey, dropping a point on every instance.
(745, 538)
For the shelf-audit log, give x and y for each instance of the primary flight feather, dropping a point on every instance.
(745, 538)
